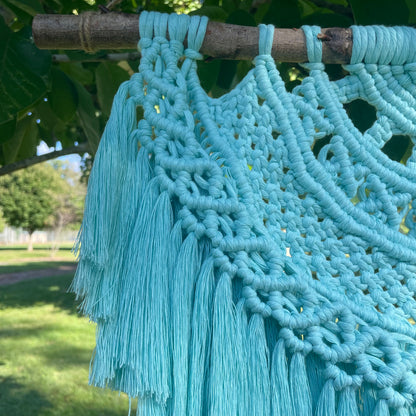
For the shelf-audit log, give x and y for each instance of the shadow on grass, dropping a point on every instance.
(47, 290)
(18, 400)
(60, 354)
(33, 265)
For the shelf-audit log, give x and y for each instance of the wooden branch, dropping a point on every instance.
(21, 164)
(92, 31)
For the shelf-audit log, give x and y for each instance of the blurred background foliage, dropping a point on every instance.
(42, 99)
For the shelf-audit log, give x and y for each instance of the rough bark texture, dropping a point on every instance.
(94, 31)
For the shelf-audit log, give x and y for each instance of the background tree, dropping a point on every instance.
(2, 221)
(44, 98)
(38, 197)
(69, 195)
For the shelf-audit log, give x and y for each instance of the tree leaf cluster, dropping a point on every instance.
(42, 196)
(70, 102)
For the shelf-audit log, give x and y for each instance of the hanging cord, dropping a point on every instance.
(85, 31)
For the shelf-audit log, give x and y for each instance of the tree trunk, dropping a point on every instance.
(30, 245)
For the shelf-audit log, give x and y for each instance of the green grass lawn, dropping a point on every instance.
(18, 259)
(45, 348)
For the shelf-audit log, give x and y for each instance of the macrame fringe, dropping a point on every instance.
(225, 350)
(347, 405)
(171, 331)
(326, 402)
(201, 340)
(182, 293)
(381, 409)
(115, 187)
(299, 386)
(281, 397)
(259, 379)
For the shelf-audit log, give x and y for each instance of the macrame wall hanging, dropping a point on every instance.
(230, 270)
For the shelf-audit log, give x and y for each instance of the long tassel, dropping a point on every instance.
(326, 402)
(105, 182)
(315, 369)
(141, 342)
(299, 386)
(271, 328)
(102, 298)
(280, 391)
(347, 403)
(149, 407)
(112, 334)
(223, 392)
(402, 412)
(183, 285)
(259, 379)
(201, 340)
(243, 361)
(381, 409)
(367, 399)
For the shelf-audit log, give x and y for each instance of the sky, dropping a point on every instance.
(74, 161)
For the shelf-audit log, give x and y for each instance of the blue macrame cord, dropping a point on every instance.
(230, 271)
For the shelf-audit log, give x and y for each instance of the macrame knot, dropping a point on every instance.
(313, 48)
(383, 45)
(85, 31)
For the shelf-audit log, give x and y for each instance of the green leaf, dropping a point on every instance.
(380, 12)
(362, 114)
(261, 11)
(228, 6)
(29, 141)
(327, 19)
(242, 69)
(283, 13)
(211, 3)
(214, 13)
(77, 71)
(208, 73)
(241, 17)
(32, 7)
(63, 97)
(22, 73)
(397, 148)
(49, 122)
(88, 120)
(7, 130)
(227, 73)
(108, 78)
(11, 148)
(411, 4)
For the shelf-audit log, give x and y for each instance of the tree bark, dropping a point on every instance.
(21, 164)
(93, 31)
(30, 245)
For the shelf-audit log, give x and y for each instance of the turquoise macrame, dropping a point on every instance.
(229, 270)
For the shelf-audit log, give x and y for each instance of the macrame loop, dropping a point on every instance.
(266, 33)
(196, 34)
(313, 47)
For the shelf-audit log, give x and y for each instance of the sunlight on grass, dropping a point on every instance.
(21, 258)
(46, 349)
